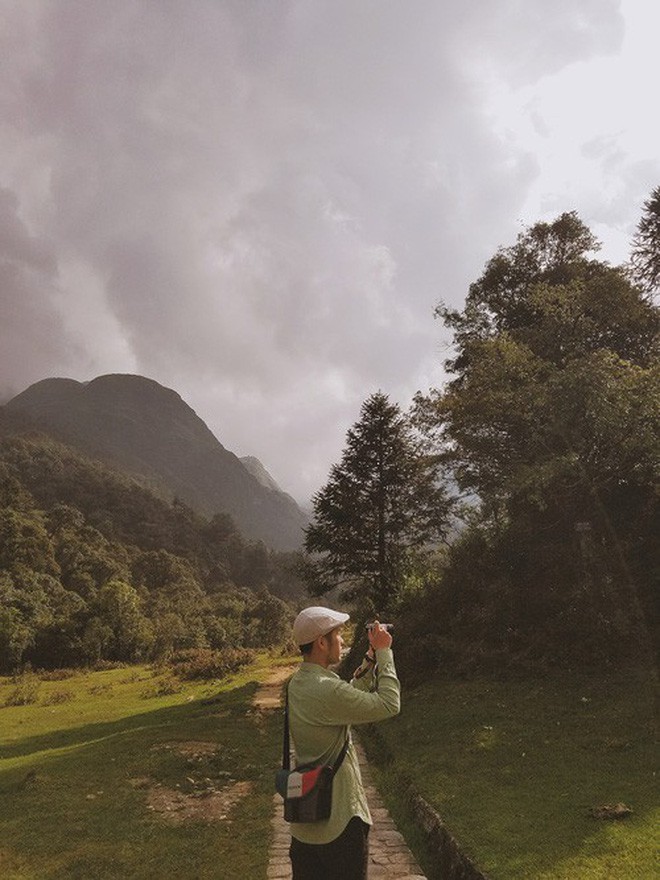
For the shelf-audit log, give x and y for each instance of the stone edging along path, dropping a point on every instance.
(389, 856)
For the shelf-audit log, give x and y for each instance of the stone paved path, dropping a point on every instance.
(389, 857)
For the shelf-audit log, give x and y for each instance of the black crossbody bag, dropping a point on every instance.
(307, 790)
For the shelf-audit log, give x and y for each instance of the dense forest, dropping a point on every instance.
(95, 567)
(551, 419)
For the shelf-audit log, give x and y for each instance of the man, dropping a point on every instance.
(321, 709)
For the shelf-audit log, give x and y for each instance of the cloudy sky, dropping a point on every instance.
(258, 203)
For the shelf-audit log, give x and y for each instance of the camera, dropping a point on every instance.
(388, 626)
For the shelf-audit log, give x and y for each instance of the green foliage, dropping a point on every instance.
(203, 664)
(267, 621)
(16, 636)
(547, 293)
(119, 607)
(24, 542)
(164, 686)
(645, 258)
(504, 599)
(552, 423)
(381, 509)
(95, 568)
(56, 674)
(25, 690)
(55, 698)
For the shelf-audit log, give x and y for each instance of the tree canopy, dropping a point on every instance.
(95, 567)
(551, 419)
(556, 354)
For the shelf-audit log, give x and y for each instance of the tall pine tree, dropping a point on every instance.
(381, 509)
(645, 257)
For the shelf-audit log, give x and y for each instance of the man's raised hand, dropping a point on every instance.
(379, 637)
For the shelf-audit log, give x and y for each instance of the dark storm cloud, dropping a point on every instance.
(259, 204)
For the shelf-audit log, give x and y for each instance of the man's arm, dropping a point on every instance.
(344, 703)
(341, 703)
(364, 677)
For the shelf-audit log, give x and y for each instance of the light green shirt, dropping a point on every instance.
(321, 709)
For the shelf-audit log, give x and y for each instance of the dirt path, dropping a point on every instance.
(389, 857)
(268, 696)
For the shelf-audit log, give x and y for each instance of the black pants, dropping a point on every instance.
(345, 858)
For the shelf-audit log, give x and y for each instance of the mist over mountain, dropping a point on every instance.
(256, 468)
(138, 426)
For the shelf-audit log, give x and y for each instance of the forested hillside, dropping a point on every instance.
(93, 566)
(136, 425)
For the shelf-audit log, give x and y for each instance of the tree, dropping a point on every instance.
(548, 293)
(15, 637)
(267, 620)
(119, 609)
(24, 541)
(541, 311)
(551, 419)
(382, 507)
(93, 566)
(645, 257)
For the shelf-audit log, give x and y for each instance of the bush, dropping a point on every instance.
(58, 697)
(97, 689)
(204, 663)
(132, 677)
(26, 690)
(56, 674)
(164, 687)
(105, 665)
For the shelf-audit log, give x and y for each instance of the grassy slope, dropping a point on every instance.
(52, 757)
(513, 768)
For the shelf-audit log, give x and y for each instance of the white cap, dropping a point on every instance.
(314, 622)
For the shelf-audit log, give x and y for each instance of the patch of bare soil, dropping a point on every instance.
(212, 805)
(190, 749)
(611, 811)
(198, 797)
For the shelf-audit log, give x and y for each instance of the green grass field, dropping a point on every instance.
(513, 767)
(86, 778)
(88, 770)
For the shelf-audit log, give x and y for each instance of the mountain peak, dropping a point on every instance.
(259, 472)
(148, 430)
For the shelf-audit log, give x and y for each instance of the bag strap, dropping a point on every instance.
(286, 750)
(341, 756)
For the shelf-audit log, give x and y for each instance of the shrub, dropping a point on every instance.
(105, 665)
(205, 663)
(58, 697)
(132, 677)
(97, 689)
(56, 674)
(164, 687)
(25, 691)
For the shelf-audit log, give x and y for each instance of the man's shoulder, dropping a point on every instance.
(313, 670)
(311, 678)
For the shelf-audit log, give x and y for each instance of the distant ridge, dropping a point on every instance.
(143, 428)
(259, 472)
